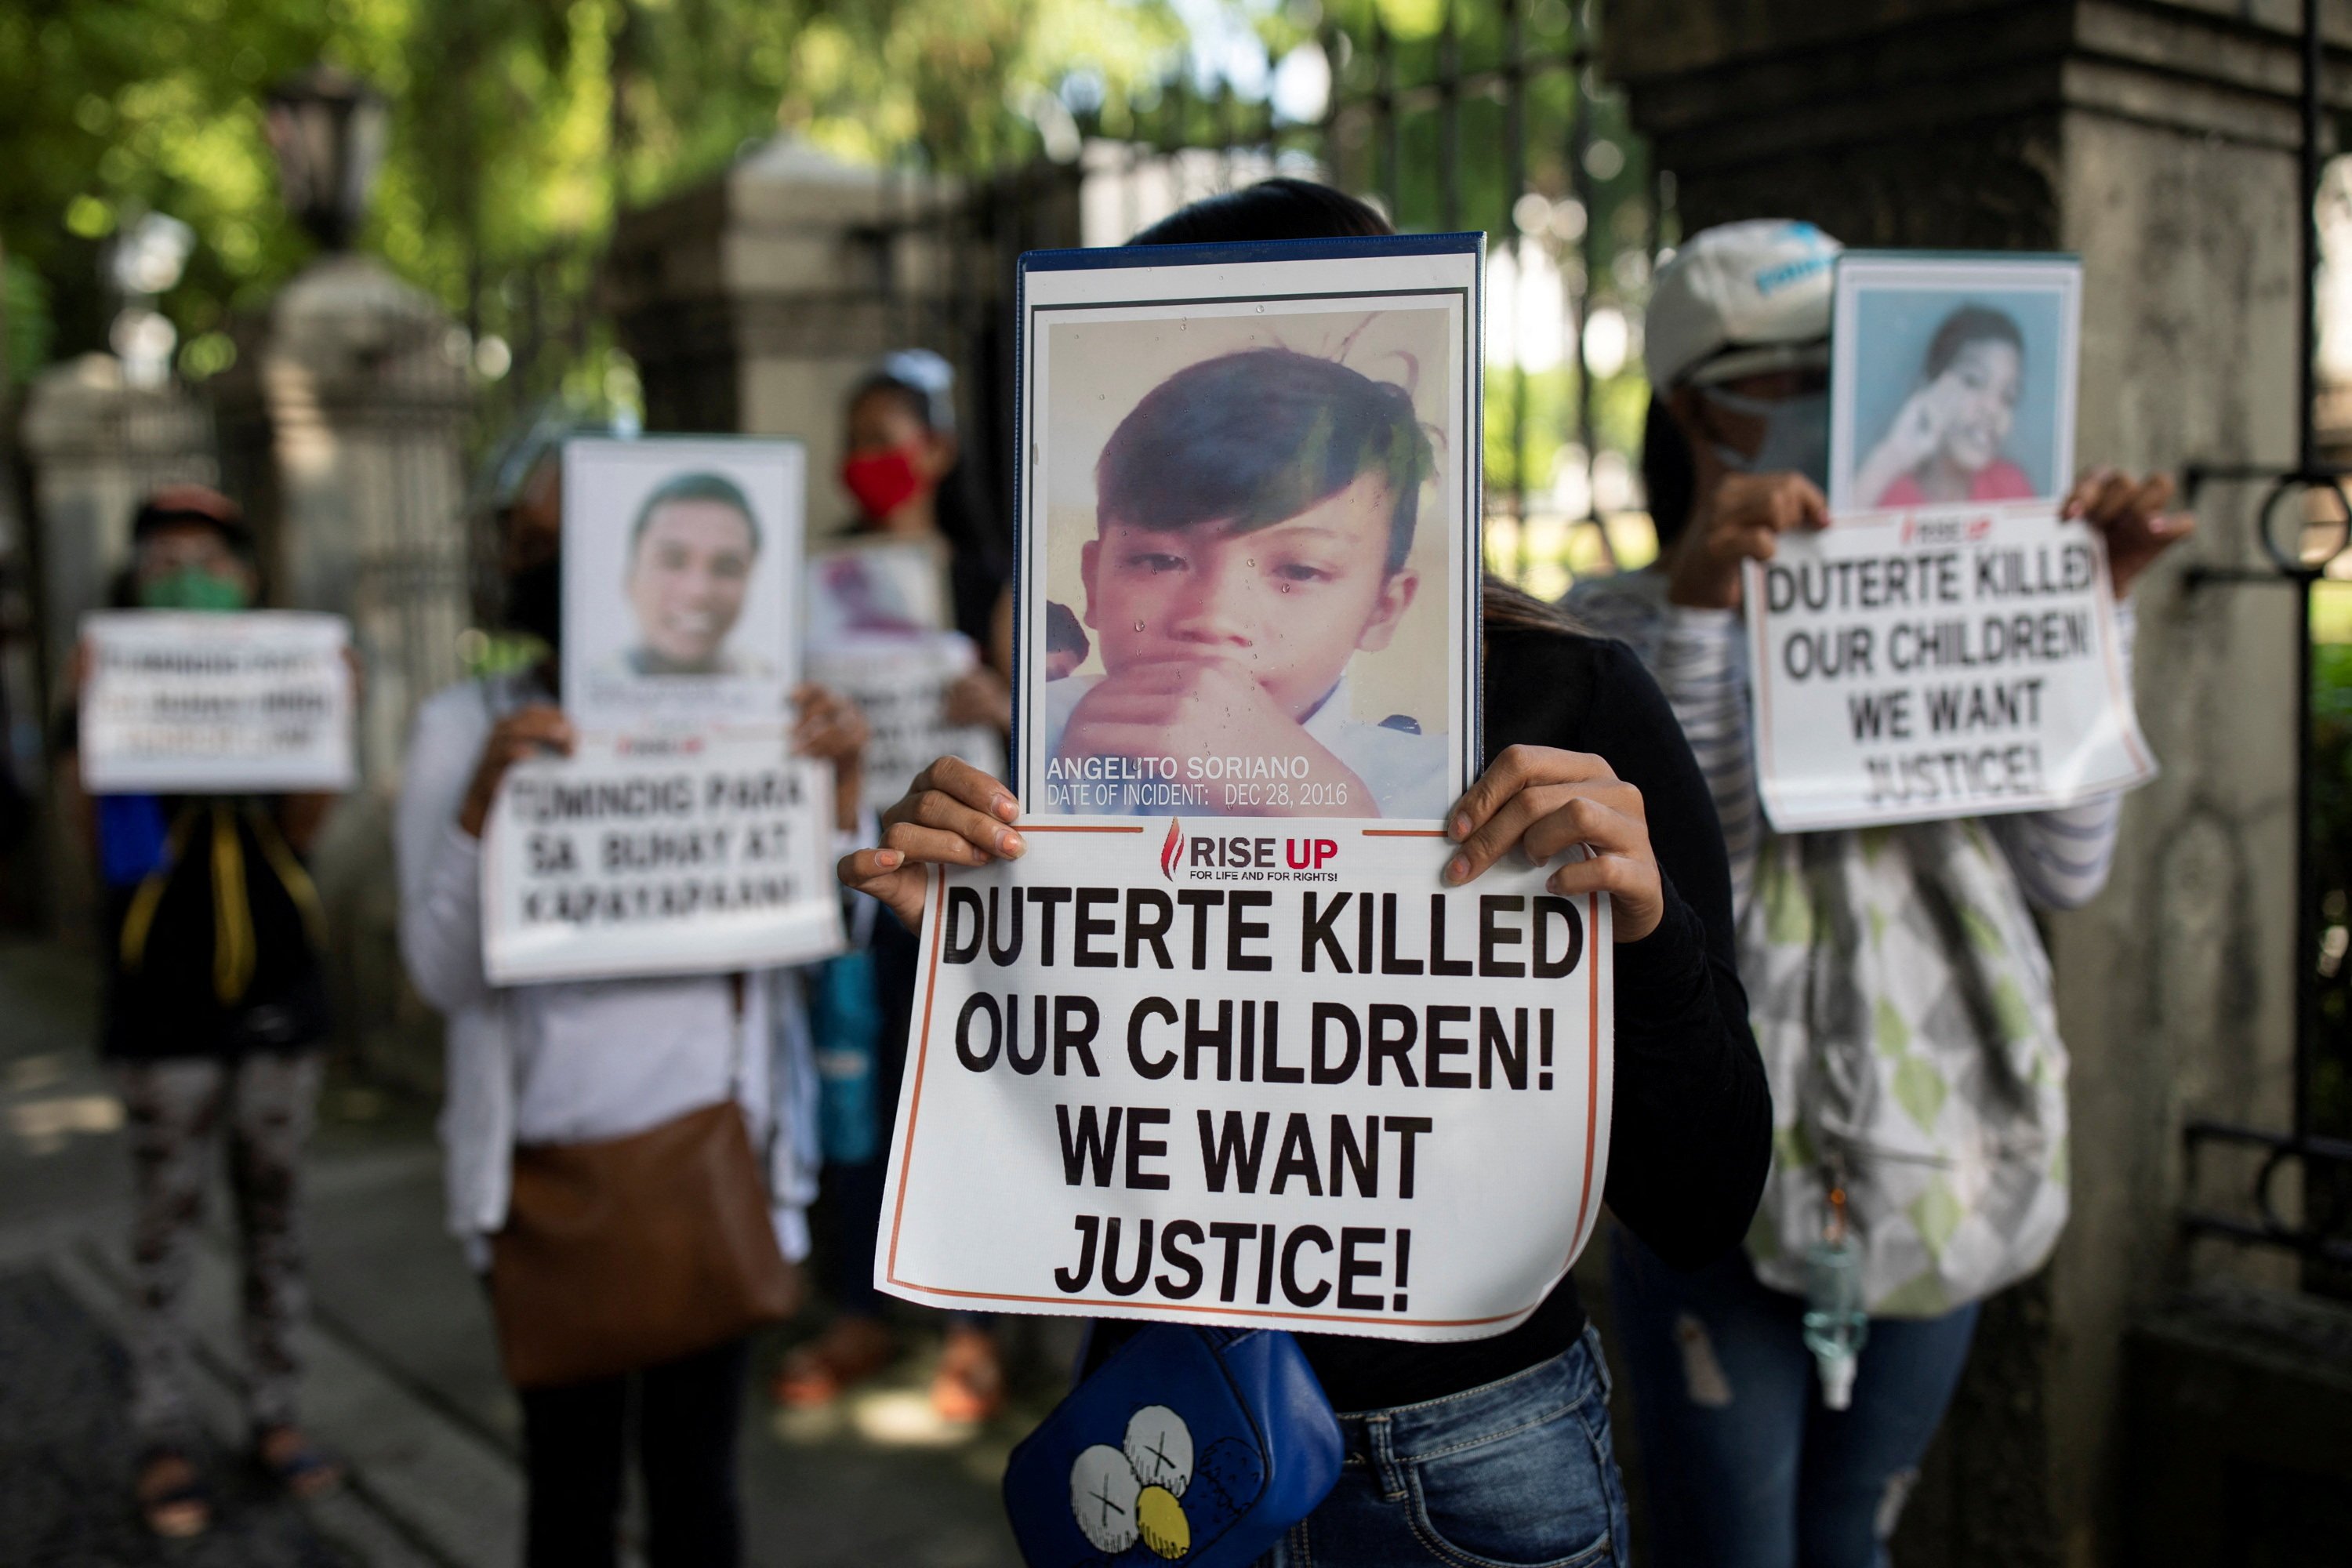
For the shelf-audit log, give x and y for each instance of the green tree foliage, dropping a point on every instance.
(519, 127)
(109, 107)
(25, 310)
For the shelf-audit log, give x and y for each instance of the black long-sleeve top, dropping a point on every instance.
(1691, 1117)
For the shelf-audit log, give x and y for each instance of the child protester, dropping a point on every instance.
(1255, 517)
(215, 1029)
(1498, 1450)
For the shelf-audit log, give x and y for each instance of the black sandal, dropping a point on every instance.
(179, 1509)
(304, 1472)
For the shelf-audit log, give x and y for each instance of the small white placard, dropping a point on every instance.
(178, 702)
(1910, 666)
(901, 683)
(712, 856)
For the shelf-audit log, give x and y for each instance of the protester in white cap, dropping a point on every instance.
(1875, 962)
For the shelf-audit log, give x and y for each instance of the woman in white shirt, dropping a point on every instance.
(591, 1060)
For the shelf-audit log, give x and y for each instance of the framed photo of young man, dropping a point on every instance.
(681, 568)
(1248, 511)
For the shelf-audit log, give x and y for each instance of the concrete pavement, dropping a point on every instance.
(402, 1376)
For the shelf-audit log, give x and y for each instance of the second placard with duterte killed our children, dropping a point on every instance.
(1249, 502)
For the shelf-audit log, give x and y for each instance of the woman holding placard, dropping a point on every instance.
(902, 467)
(1498, 1449)
(216, 1020)
(1900, 991)
(617, 1097)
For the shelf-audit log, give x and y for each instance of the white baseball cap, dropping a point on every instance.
(1739, 299)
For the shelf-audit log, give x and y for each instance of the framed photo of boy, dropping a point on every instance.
(1248, 529)
(681, 572)
(1952, 379)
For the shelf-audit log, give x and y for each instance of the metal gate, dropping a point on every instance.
(1490, 116)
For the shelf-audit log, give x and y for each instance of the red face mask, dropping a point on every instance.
(882, 482)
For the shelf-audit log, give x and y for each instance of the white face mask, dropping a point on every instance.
(1796, 434)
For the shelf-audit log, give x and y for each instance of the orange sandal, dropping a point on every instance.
(174, 1499)
(299, 1466)
(969, 1387)
(820, 1372)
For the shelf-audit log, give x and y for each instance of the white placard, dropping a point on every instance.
(901, 685)
(182, 702)
(875, 585)
(1907, 667)
(715, 855)
(1247, 1072)
(681, 565)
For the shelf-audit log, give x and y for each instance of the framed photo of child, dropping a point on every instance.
(1952, 379)
(1248, 511)
(681, 577)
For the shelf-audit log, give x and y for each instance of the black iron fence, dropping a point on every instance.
(1489, 117)
(2300, 1197)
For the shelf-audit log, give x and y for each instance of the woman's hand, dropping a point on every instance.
(833, 729)
(2130, 513)
(952, 814)
(1545, 801)
(532, 732)
(1739, 517)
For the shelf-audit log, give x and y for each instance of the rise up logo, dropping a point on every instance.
(1247, 858)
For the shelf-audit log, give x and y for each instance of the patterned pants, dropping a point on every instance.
(176, 1108)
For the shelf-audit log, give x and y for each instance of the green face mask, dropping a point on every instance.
(192, 588)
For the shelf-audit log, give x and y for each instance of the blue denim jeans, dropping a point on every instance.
(1519, 1473)
(1744, 1466)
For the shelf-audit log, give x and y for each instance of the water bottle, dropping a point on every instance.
(845, 1018)
(845, 1104)
(1835, 1323)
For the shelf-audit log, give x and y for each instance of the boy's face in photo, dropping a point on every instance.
(688, 576)
(1290, 601)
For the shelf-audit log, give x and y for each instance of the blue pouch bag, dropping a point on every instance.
(133, 842)
(1194, 1446)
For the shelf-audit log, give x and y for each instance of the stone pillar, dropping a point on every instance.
(342, 426)
(95, 445)
(754, 303)
(2158, 138)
